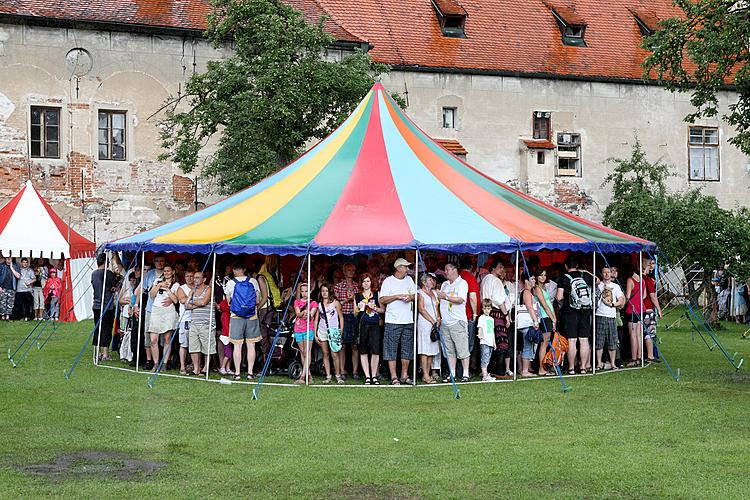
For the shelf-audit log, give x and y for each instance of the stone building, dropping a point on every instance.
(538, 93)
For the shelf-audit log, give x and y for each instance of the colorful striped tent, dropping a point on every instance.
(379, 183)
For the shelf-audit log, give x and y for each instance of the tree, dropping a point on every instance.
(685, 224)
(702, 52)
(262, 104)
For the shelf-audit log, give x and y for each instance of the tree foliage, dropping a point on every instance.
(700, 53)
(682, 224)
(272, 94)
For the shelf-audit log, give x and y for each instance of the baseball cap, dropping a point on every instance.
(401, 262)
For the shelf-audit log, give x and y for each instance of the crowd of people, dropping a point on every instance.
(359, 316)
(30, 289)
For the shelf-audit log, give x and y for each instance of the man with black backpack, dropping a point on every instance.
(575, 293)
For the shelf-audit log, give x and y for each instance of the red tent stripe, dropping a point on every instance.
(9, 208)
(368, 199)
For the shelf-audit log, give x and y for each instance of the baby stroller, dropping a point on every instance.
(285, 357)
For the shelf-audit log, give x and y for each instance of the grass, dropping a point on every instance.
(627, 434)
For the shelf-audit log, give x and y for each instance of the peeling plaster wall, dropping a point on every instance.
(130, 72)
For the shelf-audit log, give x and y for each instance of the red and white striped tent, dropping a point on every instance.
(30, 228)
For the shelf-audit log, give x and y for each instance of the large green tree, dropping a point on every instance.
(262, 103)
(703, 51)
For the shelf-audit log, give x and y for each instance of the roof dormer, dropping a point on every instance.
(572, 26)
(451, 17)
(646, 21)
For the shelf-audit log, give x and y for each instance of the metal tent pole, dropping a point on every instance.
(141, 310)
(416, 312)
(309, 342)
(515, 322)
(642, 289)
(593, 321)
(211, 321)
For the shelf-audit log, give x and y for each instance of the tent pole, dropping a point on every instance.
(642, 290)
(515, 322)
(416, 317)
(309, 342)
(101, 307)
(141, 316)
(593, 321)
(211, 335)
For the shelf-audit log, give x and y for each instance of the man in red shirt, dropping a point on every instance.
(473, 302)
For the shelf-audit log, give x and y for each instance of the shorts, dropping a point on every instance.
(184, 332)
(369, 339)
(201, 339)
(576, 324)
(633, 317)
(350, 328)
(322, 335)
(244, 330)
(38, 298)
(606, 333)
(649, 323)
(455, 338)
(545, 325)
(146, 336)
(394, 335)
(303, 336)
(228, 351)
(485, 355)
(529, 348)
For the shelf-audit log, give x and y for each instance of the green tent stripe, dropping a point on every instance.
(539, 212)
(292, 224)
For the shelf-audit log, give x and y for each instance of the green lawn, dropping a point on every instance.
(627, 434)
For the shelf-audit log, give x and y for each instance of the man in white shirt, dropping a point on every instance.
(493, 288)
(609, 299)
(397, 295)
(454, 325)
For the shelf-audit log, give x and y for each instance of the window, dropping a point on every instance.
(112, 135)
(572, 26)
(703, 148)
(45, 132)
(540, 157)
(449, 117)
(542, 125)
(451, 17)
(569, 155)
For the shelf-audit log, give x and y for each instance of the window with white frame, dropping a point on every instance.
(703, 153)
(449, 117)
(568, 155)
(112, 134)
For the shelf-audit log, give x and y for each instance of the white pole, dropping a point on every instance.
(101, 308)
(141, 310)
(515, 323)
(309, 342)
(642, 290)
(416, 312)
(593, 319)
(211, 321)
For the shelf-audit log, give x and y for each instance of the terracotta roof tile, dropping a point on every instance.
(452, 145)
(450, 7)
(501, 36)
(566, 10)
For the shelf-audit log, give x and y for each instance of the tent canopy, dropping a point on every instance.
(30, 228)
(379, 183)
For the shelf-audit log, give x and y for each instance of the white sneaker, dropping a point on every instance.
(488, 378)
(508, 373)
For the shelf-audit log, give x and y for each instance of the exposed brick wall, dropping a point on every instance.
(569, 196)
(78, 163)
(183, 189)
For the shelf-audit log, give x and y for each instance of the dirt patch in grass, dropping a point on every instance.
(379, 491)
(93, 464)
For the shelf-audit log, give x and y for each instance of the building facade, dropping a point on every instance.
(537, 94)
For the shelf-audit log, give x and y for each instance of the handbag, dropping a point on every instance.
(334, 334)
(523, 318)
(435, 333)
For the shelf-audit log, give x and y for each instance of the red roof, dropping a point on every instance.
(452, 145)
(501, 36)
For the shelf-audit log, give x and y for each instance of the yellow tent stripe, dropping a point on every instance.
(252, 212)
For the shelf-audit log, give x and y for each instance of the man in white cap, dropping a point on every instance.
(397, 295)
